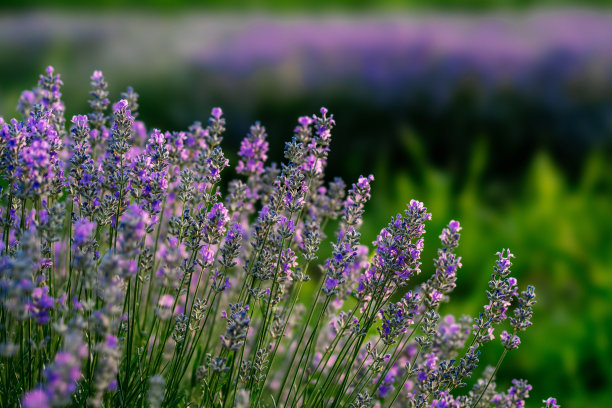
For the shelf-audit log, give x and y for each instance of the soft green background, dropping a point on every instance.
(556, 218)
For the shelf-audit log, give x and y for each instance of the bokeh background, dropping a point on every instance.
(495, 113)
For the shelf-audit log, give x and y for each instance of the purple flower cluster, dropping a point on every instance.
(31, 156)
(216, 220)
(61, 376)
(39, 305)
(398, 252)
(253, 152)
(135, 280)
(238, 322)
(345, 250)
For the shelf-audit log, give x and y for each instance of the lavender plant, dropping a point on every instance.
(129, 277)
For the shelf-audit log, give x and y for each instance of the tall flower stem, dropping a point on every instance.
(299, 342)
(499, 362)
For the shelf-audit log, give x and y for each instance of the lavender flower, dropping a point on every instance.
(358, 196)
(133, 230)
(238, 322)
(27, 100)
(83, 230)
(164, 307)
(523, 312)
(131, 257)
(51, 98)
(36, 399)
(398, 252)
(99, 102)
(509, 341)
(132, 100)
(109, 358)
(216, 220)
(62, 375)
(231, 246)
(38, 169)
(345, 250)
(447, 264)
(395, 320)
(40, 304)
(503, 289)
(253, 151)
(216, 127)
(122, 128)
(551, 403)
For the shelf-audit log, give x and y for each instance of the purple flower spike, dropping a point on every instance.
(216, 220)
(503, 264)
(166, 301)
(454, 226)
(40, 304)
(551, 403)
(80, 121)
(509, 341)
(97, 76)
(120, 106)
(305, 121)
(253, 151)
(36, 399)
(216, 112)
(83, 229)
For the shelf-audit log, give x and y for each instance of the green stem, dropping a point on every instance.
(399, 387)
(280, 337)
(492, 376)
(152, 273)
(329, 352)
(301, 337)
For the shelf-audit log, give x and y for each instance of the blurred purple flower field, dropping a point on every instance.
(547, 72)
(558, 63)
(416, 52)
